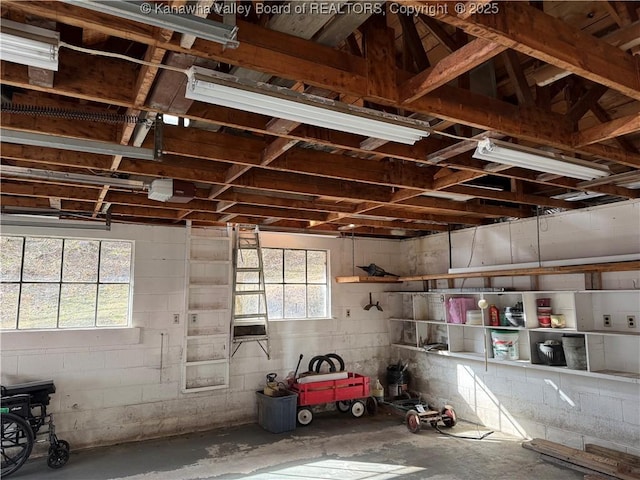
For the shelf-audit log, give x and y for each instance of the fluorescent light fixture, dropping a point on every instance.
(160, 15)
(29, 45)
(74, 144)
(458, 197)
(624, 179)
(228, 91)
(52, 175)
(578, 196)
(508, 154)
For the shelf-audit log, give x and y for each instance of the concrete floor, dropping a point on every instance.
(334, 446)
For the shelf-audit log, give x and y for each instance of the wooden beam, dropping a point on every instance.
(604, 117)
(518, 78)
(582, 106)
(414, 42)
(379, 52)
(534, 33)
(606, 131)
(466, 58)
(438, 31)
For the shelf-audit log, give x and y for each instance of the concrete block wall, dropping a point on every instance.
(569, 408)
(120, 385)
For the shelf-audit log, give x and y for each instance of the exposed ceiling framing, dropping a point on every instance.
(562, 77)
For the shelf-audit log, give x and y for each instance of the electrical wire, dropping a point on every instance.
(91, 51)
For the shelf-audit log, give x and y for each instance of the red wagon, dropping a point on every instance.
(349, 394)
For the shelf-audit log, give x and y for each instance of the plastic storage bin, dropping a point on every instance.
(277, 414)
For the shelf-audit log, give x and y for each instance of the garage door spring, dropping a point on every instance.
(8, 107)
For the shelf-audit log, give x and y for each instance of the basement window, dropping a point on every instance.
(63, 283)
(296, 283)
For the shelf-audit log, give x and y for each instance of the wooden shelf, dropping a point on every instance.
(359, 279)
(587, 268)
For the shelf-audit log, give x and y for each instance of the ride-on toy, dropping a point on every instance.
(23, 409)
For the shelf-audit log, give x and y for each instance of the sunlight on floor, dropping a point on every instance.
(338, 469)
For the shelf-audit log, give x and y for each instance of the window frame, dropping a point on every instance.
(326, 284)
(60, 283)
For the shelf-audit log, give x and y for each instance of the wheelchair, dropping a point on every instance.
(23, 408)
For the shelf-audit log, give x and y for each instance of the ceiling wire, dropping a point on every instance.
(91, 51)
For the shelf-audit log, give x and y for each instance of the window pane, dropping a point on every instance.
(42, 259)
(39, 305)
(113, 305)
(316, 297)
(77, 305)
(272, 262)
(80, 261)
(316, 267)
(274, 301)
(294, 266)
(115, 262)
(247, 258)
(9, 295)
(295, 301)
(10, 258)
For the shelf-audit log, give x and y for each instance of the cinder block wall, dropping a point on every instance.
(562, 407)
(110, 384)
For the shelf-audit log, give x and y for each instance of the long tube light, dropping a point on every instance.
(52, 175)
(74, 144)
(160, 15)
(507, 154)
(29, 45)
(228, 91)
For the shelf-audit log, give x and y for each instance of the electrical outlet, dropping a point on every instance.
(194, 317)
(631, 321)
(348, 312)
(176, 318)
(606, 319)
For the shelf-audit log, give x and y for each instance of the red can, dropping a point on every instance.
(494, 316)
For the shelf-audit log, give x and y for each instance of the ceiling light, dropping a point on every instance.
(74, 144)
(28, 45)
(228, 91)
(152, 13)
(532, 159)
(52, 175)
(458, 197)
(577, 196)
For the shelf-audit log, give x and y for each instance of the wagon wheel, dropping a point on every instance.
(17, 442)
(358, 409)
(412, 419)
(304, 416)
(58, 457)
(343, 406)
(449, 416)
(372, 405)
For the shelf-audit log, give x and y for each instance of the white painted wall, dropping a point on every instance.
(110, 387)
(568, 408)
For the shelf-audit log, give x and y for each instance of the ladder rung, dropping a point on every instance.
(250, 292)
(248, 269)
(249, 338)
(250, 315)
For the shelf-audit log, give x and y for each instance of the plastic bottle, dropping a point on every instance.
(494, 316)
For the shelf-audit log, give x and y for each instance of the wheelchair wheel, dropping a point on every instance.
(58, 456)
(17, 442)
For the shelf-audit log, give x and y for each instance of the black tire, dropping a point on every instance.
(64, 444)
(412, 420)
(58, 457)
(338, 358)
(449, 418)
(358, 409)
(316, 363)
(304, 416)
(17, 443)
(343, 406)
(372, 405)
